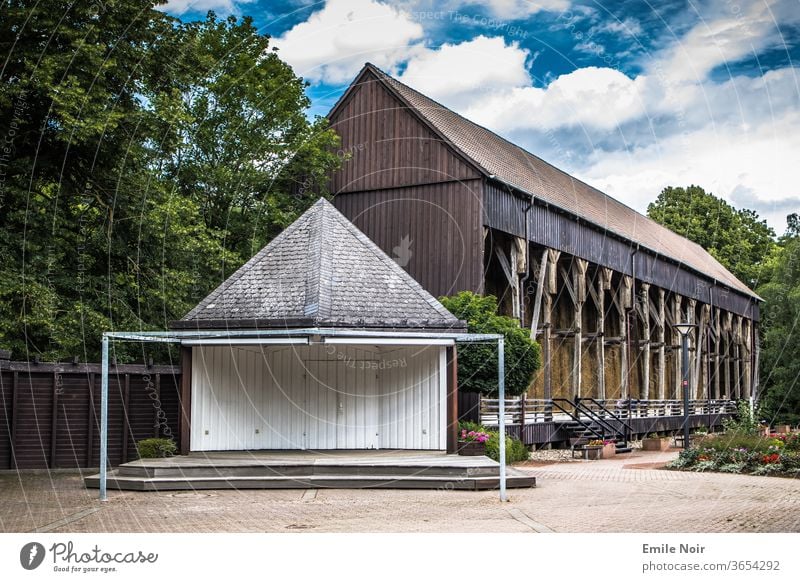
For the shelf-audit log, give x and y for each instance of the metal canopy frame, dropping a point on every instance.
(304, 336)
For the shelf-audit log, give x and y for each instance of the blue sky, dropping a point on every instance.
(630, 95)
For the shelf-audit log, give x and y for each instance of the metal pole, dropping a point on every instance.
(685, 346)
(104, 420)
(501, 389)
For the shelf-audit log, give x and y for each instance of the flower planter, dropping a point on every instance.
(609, 451)
(471, 448)
(783, 429)
(659, 444)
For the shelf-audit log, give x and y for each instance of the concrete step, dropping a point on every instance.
(301, 470)
(514, 479)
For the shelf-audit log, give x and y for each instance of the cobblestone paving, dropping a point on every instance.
(625, 494)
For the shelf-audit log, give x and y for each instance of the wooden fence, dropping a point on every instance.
(50, 413)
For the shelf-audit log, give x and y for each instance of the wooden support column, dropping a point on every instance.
(624, 302)
(747, 349)
(599, 296)
(537, 302)
(579, 267)
(717, 352)
(661, 370)
(156, 419)
(452, 400)
(756, 358)
(126, 423)
(186, 400)
(737, 355)
(676, 347)
(701, 359)
(726, 330)
(551, 287)
(644, 302)
(691, 306)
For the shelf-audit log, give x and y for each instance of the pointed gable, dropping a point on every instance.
(320, 272)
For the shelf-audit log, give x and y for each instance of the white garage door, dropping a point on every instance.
(251, 398)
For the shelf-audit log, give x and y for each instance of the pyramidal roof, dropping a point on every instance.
(506, 162)
(321, 272)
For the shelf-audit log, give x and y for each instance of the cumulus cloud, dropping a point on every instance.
(516, 9)
(333, 44)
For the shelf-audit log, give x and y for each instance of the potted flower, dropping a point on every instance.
(593, 450)
(654, 442)
(783, 429)
(609, 450)
(472, 443)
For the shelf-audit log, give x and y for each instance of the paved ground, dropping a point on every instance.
(625, 494)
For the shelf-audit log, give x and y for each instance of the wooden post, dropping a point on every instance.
(644, 390)
(726, 328)
(54, 423)
(126, 395)
(156, 419)
(717, 352)
(551, 287)
(747, 349)
(14, 415)
(676, 347)
(603, 285)
(702, 357)
(186, 399)
(691, 306)
(579, 267)
(452, 400)
(91, 420)
(737, 355)
(624, 302)
(756, 357)
(537, 304)
(662, 354)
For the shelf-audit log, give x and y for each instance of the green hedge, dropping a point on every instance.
(156, 448)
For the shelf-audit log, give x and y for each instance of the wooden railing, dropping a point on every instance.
(520, 410)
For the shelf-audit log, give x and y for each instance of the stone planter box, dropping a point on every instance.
(659, 444)
(609, 451)
(471, 448)
(783, 429)
(591, 453)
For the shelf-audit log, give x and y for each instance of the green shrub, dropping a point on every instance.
(516, 450)
(745, 422)
(156, 448)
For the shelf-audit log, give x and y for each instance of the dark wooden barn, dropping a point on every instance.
(598, 284)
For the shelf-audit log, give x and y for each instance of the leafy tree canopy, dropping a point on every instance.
(142, 159)
(780, 326)
(736, 238)
(477, 363)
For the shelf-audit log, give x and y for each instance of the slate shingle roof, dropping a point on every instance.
(321, 272)
(509, 163)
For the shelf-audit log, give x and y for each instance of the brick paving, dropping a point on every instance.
(625, 494)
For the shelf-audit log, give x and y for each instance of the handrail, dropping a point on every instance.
(575, 417)
(614, 416)
(579, 406)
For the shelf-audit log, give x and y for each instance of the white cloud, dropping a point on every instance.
(333, 44)
(461, 73)
(517, 9)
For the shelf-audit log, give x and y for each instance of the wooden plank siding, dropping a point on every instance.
(441, 223)
(386, 146)
(38, 435)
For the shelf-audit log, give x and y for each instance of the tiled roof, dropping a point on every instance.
(322, 272)
(512, 165)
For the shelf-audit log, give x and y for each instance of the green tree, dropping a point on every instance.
(477, 363)
(141, 159)
(736, 238)
(780, 327)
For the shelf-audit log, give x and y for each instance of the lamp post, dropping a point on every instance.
(685, 329)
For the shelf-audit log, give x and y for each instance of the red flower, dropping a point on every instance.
(773, 458)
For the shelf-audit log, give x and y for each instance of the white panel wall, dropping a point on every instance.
(317, 397)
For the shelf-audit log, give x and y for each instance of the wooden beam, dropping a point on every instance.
(14, 414)
(90, 420)
(755, 389)
(726, 330)
(644, 390)
(186, 400)
(623, 302)
(126, 423)
(156, 420)
(677, 301)
(537, 304)
(717, 352)
(600, 347)
(737, 351)
(691, 306)
(452, 400)
(703, 350)
(661, 365)
(579, 267)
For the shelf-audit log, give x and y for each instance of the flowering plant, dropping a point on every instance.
(599, 443)
(771, 458)
(473, 436)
